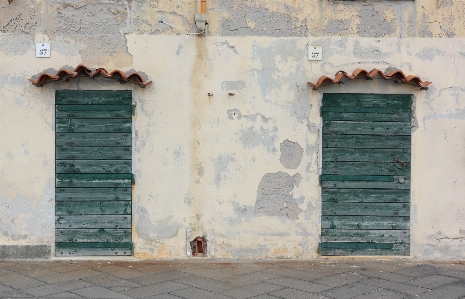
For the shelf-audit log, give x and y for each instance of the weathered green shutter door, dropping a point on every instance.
(93, 172)
(366, 174)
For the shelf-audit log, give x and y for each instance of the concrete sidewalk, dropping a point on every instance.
(323, 278)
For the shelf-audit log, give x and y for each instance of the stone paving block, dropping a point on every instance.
(7, 292)
(418, 270)
(433, 281)
(296, 294)
(6, 272)
(19, 281)
(385, 294)
(165, 296)
(69, 267)
(294, 273)
(395, 286)
(106, 280)
(252, 278)
(118, 271)
(99, 292)
(340, 279)
(266, 296)
(252, 290)
(385, 275)
(194, 293)
(64, 295)
(446, 292)
(349, 291)
(56, 288)
(206, 284)
(298, 284)
(154, 289)
(154, 278)
(449, 272)
(224, 276)
(34, 273)
(67, 276)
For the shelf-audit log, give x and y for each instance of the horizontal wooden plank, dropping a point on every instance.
(364, 222)
(364, 195)
(66, 252)
(403, 116)
(366, 128)
(365, 155)
(366, 100)
(366, 168)
(365, 209)
(366, 184)
(362, 177)
(93, 139)
(377, 236)
(366, 141)
(90, 194)
(93, 221)
(361, 249)
(104, 125)
(93, 153)
(93, 111)
(93, 235)
(93, 97)
(94, 244)
(103, 207)
(93, 180)
(93, 166)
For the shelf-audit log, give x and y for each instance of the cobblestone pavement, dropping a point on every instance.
(205, 279)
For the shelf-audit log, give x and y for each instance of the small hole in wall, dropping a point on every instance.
(199, 246)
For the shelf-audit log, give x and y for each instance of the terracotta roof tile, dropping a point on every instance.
(82, 70)
(395, 75)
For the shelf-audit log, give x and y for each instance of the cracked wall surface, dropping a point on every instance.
(227, 139)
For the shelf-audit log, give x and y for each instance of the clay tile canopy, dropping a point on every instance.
(67, 73)
(396, 75)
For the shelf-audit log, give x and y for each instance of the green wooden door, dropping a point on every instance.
(366, 174)
(93, 173)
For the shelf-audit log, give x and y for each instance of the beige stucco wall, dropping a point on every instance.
(202, 163)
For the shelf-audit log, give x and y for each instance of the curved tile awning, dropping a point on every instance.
(397, 76)
(84, 71)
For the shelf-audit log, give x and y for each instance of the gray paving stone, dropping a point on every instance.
(19, 281)
(294, 273)
(295, 294)
(99, 292)
(166, 296)
(220, 275)
(154, 289)
(252, 278)
(7, 292)
(67, 276)
(34, 273)
(122, 272)
(418, 270)
(433, 281)
(154, 278)
(446, 292)
(349, 291)
(108, 281)
(64, 295)
(206, 284)
(194, 293)
(252, 290)
(298, 284)
(56, 288)
(395, 286)
(340, 279)
(385, 294)
(396, 277)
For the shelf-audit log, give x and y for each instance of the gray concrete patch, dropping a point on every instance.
(369, 52)
(25, 252)
(221, 163)
(233, 85)
(252, 137)
(291, 154)
(163, 229)
(373, 22)
(274, 195)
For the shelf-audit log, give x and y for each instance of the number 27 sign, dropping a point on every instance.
(315, 52)
(42, 49)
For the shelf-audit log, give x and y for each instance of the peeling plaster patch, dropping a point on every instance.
(163, 229)
(178, 51)
(424, 28)
(309, 211)
(241, 212)
(252, 137)
(249, 252)
(21, 17)
(226, 43)
(291, 154)
(338, 27)
(369, 52)
(233, 85)
(274, 195)
(234, 114)
(221, 163)
(373, 22)
(256, 20)
(16, 44)
(429, 53)
(200, 170)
